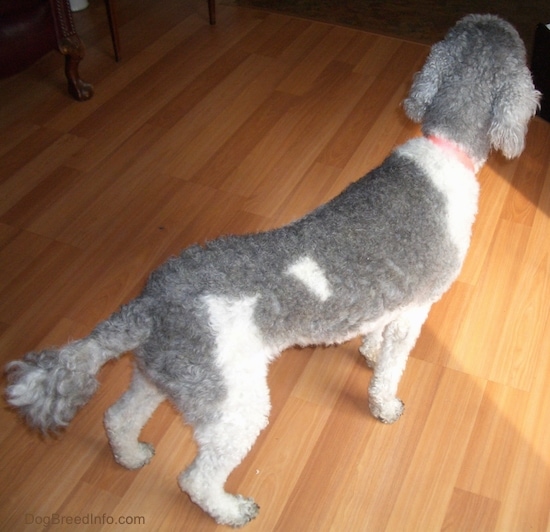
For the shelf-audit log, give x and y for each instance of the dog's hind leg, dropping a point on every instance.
(222, 444)
(125, 419)
(372, 343)
(398, 339)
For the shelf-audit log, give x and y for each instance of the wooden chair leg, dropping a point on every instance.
(71, 47)
(78, 88)
(212, 11)
(113, 27)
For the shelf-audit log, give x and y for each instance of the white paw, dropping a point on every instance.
(139, 456)
(223, 507)
(243, 510)
(370, 349)
(387, 411)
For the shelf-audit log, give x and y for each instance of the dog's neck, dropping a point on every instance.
(453, 149)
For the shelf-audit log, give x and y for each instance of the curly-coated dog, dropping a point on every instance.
(370, 262)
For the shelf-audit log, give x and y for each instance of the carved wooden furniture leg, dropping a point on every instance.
(71, 47)
(73, 50)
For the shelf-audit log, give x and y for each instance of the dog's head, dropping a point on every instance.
(475, 88)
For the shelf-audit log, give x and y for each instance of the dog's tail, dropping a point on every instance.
(48, 387)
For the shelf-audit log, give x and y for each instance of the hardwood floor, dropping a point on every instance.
(241, 127)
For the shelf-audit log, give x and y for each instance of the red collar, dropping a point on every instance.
(454, 150)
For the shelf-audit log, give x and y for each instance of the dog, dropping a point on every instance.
(368, 263)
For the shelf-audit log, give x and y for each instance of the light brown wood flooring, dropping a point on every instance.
(241, 127)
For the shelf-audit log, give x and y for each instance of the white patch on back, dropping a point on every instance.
(309, 272)
(454, 180)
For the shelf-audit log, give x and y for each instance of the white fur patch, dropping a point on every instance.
(242, 356)
(454, 180)
(309, 272)
(232, 320)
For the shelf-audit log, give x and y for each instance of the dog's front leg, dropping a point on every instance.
(398, 339)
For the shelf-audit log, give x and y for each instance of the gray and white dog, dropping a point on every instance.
(369, 263)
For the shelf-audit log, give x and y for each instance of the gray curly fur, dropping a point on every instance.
(49, 387)
(46, 391)
(376, 257)
(463, 92)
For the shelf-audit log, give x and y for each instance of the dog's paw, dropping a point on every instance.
(140, 455)
(227, 509)
(388, 411)
(370, 348)
(370, 355)
(244, 510)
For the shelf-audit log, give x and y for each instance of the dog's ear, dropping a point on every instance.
(514, 104)
(425, 84)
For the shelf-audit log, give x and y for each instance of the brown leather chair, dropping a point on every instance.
(31, 28)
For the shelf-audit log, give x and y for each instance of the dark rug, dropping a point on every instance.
(423, 21)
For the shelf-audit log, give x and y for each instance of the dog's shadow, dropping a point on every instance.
(526, 174)
(443, 399)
